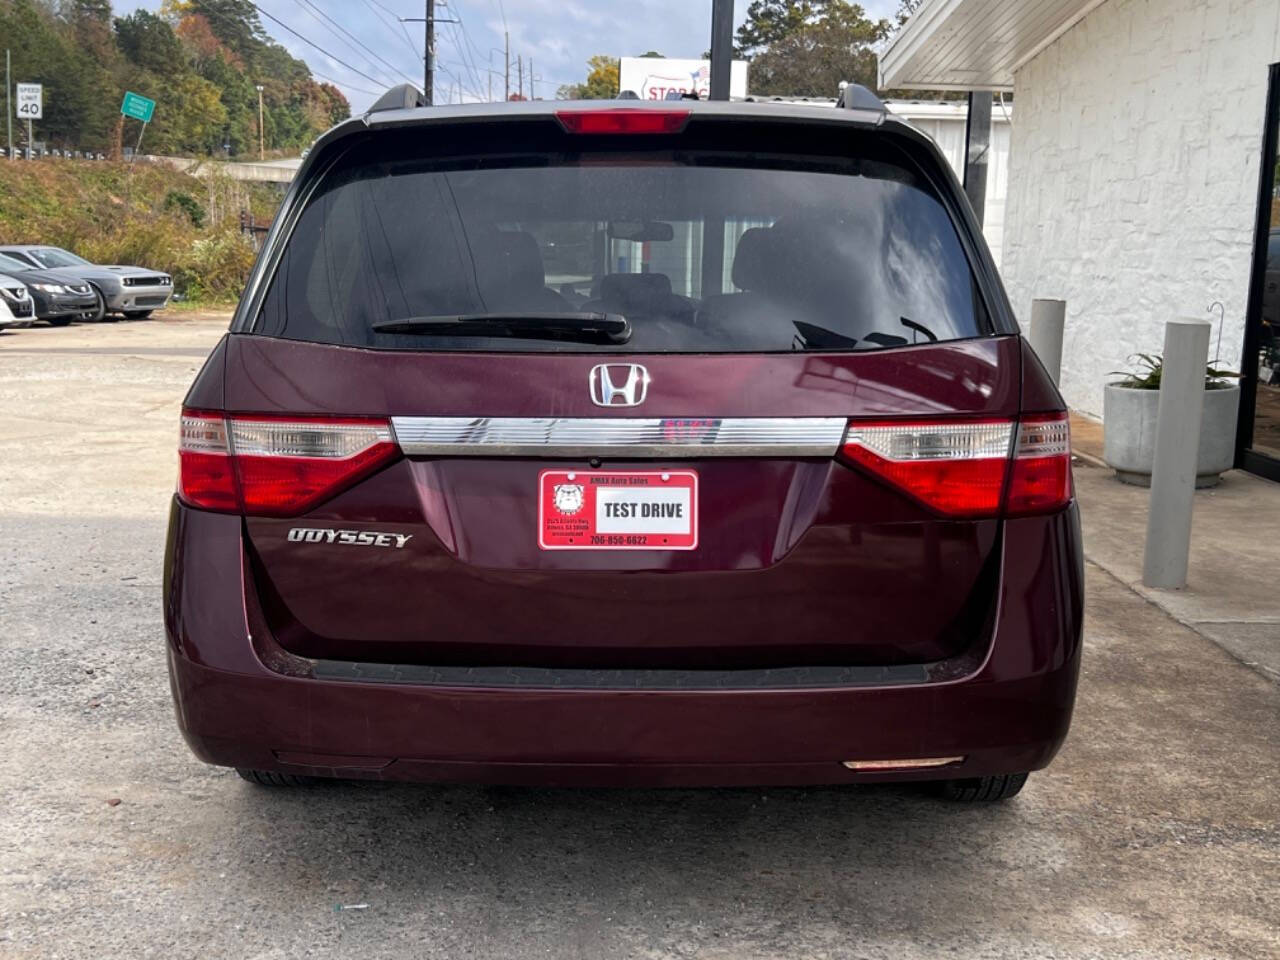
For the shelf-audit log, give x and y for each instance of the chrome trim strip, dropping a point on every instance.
(667, 437)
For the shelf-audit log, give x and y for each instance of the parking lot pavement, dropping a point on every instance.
(1153, 835)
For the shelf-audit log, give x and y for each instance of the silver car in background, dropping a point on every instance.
(129, 291)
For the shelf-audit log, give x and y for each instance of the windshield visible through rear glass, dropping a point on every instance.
(698, 257)
(13, 264)
(50, 258)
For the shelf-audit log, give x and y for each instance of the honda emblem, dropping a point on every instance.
(619, 384)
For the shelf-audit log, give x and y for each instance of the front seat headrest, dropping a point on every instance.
(508, 262)
(755, 259)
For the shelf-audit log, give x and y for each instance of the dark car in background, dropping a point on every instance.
(132, 292)
(759, 485)
(58, 299)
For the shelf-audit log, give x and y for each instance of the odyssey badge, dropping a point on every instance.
(355, 538)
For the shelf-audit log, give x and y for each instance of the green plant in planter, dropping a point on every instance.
(1151, 367)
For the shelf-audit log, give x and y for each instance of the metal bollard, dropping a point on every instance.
(1173, 475)
(1048, 318)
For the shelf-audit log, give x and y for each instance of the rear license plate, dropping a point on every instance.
(616, 510)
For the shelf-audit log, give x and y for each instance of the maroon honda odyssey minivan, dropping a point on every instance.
(655, 444)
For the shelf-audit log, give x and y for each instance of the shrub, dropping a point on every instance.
(151, 216)
(1151, 370)
(176, 199)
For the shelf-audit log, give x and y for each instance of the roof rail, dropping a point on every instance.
(854, 96)
(404, 97)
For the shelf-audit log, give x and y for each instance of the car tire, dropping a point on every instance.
(58, 321)
(137, 314)
(983, 789)
(270, 778)
(98, 312)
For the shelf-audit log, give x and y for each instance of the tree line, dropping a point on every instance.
(201, 60)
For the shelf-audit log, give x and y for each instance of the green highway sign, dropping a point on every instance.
(137, 106)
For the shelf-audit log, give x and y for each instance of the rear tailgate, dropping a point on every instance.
(781, 275)
(800, 560)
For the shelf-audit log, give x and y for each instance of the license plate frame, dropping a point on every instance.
(577, 520)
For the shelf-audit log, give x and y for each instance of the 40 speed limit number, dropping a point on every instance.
(30, 101)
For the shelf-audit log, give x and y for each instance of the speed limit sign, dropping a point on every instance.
(30, 101)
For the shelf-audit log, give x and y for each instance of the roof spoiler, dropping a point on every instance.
(404, 97)
(854, 96)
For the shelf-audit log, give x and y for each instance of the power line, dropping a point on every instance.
(310, 43)
(463, 46)
(404, 33)
(351, 39)
(341, 83)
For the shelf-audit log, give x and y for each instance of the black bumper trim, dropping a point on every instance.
(777, 678)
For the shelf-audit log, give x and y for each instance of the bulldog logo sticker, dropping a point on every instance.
(568, 498)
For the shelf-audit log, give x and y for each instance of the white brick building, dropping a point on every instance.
(1135, 158)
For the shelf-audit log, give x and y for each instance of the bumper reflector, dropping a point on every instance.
(924, 763)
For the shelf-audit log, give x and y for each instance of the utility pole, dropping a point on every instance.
(8, 101)
(490, 100)
(520, 69)
(721, 48)
(262, 142)
(532, 80)
(428, 49)
(506, 65)
(428, 55)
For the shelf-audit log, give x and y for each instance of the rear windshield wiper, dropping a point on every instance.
(813, 337)
(585, 327)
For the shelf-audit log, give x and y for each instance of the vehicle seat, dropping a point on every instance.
(756, 314)
(643, 295)
(510, 274)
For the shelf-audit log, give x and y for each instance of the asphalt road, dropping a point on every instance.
(1154, 835)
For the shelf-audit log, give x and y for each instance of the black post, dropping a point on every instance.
(428, 55)
(1246, 456)
(977, 149)
(721, 47)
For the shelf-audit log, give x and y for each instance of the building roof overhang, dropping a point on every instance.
(974, 44)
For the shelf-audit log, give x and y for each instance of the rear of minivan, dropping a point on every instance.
(569, 444)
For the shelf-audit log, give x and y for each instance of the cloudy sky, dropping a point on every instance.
(557, 35)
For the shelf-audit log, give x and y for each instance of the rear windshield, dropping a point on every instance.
(700, 251)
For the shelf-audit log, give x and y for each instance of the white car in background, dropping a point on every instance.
(16, 307)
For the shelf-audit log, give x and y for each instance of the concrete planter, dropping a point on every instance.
(1129, 433)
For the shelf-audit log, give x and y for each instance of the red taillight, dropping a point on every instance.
(962, 468)
(1040, 481)
(623, 120)
(275, 467)
(205, 477)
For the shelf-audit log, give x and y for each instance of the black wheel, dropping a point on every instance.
(269, 778)
(99, 311)
(58, 321)
(983, 789)
(137, 314)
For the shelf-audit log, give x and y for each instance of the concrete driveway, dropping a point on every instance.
(1153, 835)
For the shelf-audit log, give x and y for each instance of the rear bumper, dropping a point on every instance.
(243, 701)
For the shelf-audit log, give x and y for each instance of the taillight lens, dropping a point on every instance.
(617, 120)
(276, 467)
(204, 466)
(1040, 481)
(962, 468)
(956, 468)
